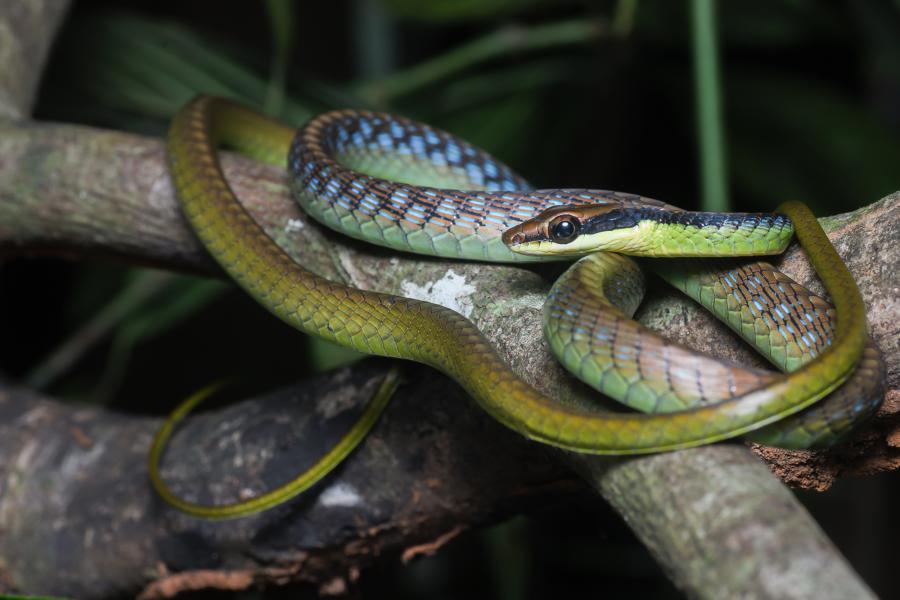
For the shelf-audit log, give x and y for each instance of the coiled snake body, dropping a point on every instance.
(411, 187)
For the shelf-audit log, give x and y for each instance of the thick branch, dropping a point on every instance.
(82, 191)
(98, 192)
(73, 480)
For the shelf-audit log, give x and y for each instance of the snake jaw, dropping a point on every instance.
(628, 241)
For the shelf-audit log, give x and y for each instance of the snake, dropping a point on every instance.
(411, 187)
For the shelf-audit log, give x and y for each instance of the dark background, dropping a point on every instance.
(811, 94)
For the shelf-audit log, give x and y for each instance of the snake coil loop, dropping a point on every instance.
(436, 217)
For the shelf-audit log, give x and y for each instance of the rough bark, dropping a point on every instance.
(78, 517)
(77, 191)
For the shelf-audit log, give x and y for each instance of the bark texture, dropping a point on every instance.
(79, 518)
(704, 513)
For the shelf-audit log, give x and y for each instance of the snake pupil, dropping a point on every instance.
(564, 230)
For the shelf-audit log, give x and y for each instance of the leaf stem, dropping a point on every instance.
(497, 43)
(710, 130)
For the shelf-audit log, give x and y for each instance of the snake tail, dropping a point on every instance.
(305, 480)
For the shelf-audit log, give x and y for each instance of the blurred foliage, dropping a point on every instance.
(577, 93)
(281, 18)
(21, 597)
(442, 11)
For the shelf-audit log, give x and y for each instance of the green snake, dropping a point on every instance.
(411, 187)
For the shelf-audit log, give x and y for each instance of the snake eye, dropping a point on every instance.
(564, 229)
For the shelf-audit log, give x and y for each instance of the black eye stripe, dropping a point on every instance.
(614, 219)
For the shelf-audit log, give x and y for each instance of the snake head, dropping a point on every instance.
(575, 230)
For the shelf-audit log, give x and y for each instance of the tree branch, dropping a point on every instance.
(27, 28)
(73, 480)
(82, 191)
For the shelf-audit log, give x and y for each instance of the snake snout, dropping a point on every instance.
(513, 237)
